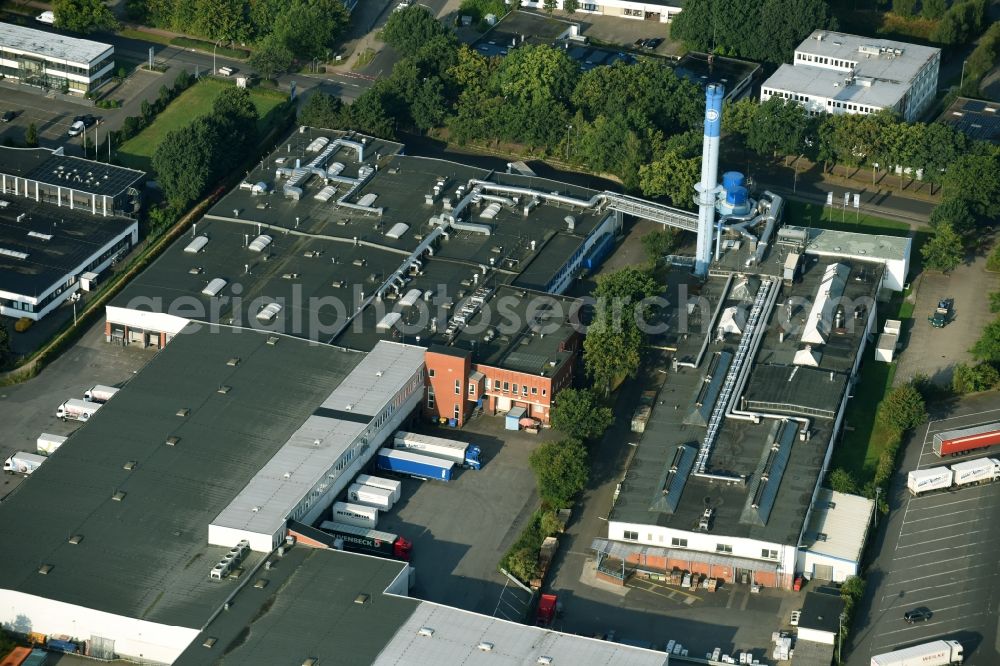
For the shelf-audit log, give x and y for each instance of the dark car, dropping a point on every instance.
(8, 116)
(917, 615)
(654, 42)
(87, 120)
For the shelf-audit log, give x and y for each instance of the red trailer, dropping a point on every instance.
(546, 610)
(955, 442)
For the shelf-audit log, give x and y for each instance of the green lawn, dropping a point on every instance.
(194, 102)
(815, 215)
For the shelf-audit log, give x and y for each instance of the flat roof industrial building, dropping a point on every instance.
(726, 479)
(833, 72)
(53, 61)
(63, 221)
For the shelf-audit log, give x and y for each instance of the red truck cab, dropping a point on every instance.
(546, 610)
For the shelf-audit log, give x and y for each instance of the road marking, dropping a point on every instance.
(938, 506)
(940, 550)
(942, 527)
(934, 587)
(939, 561)
(931, 624)
(954, 580)
(937, 516)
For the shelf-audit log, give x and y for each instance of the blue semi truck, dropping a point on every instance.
(414, 464)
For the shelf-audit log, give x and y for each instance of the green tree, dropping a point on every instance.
(626, 286)
(975, 178)
(579, 414)
(372, 112)
(672, 176)
(222, 19)
(905, 8)
(308, 28)
(842, 481)
(658, 243)
(549, 5)
(5, 352)
(31, 136)
(324, 111)
(271, 58)
(954, 212)
(183, 163)
(409, 29)
(987, 347)
(561, 470)
(933, 9)
(902, 408)
(974, 378)
(612, 349)
(570, 6)
(738, 117)
(995, 302)
(945, 250)
(84, 16)
(182, 82)
(521, 563)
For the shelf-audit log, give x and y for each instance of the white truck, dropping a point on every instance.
(99, 393)
(378, 482)
(924, 480)
(355, 514)
(936, 653)
(981, 470)
(461, 453)
(380, 498)
(77, 410)
(23, 462)
(47, 444)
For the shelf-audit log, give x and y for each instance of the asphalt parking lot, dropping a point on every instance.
(460, 529)
(27, 410)
(939, 552)
(934, 352)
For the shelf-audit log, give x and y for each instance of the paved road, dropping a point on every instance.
(936, 551)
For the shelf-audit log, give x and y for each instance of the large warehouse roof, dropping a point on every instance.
(145, 554)
(51, 44)
(267, 501)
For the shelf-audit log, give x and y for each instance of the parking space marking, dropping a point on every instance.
(928, 507)
(937, 562)
(910, 603)
(936, 516)
(941, 550)
(942, 527)
(934, 587)
(971, 566)
(930, 624)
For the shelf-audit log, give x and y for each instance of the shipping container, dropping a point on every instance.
(462, 453)
(380, 498)
(394, 485)
(363, 540)
(414, 464)
(47, 444)
(354, 514)
(955, 442)
(937, 653)
(925, 480)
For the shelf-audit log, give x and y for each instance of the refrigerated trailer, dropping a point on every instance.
(23, 462)
(354, 514)
(461, 453)
(378, 482)
(380, 498)
(77, 410)
(955, 442)
(99, 393)
(364, 540)
(959, 475)
(47, 444)
(936, 653)
(414, 464)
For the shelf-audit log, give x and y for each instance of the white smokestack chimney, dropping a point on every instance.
(709, 185)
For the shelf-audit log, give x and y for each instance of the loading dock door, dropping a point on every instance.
(823, 571)
(503, 404)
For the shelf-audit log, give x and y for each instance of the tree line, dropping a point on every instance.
(283, 29)
(640, 122)
(967, 170)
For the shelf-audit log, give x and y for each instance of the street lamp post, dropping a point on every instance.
(840, 637)
(214, 46)
(878, 492)
(961, 82)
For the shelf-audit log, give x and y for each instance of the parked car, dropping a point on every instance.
(942, 314)
(87, 120)
(917, 615)
(46, 17)
(8, 116)
(76, 128)
(652, 43)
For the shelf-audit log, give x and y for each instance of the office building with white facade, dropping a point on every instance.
(54, 62)
(650, 10)
(833, 72)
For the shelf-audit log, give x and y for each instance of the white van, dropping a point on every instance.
(46, 17)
